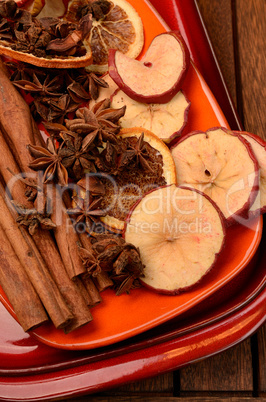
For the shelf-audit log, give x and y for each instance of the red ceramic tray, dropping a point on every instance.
(32, 371)
(119, 318)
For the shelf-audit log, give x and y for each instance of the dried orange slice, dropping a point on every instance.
(120, 28)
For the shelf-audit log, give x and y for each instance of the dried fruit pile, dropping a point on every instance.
(100, 197)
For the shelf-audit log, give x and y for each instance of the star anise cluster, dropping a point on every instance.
(130, 153)
(80, 142)
(122, 261)
(55, 95)
(43, 37)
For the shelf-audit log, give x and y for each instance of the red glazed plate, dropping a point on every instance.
(33, 371)
(119, 318)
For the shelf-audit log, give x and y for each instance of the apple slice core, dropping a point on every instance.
(179, 232)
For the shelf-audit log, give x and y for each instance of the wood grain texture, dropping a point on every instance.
(143, 398)
(261, 335)
(251, 33)
(229, 371)
(217, 16)
(162, 384)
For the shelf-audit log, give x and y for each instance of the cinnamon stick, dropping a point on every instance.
(91, 289)
(18, 287)
(35, 268)
(76, 301)
(45, 244)
(18, 137)
(66, 237)
(44, 247)
(10, 172)
(16, 121)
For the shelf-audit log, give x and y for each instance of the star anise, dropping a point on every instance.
(87, 211)
(51, 86)
(77, 92)
(90, 82)
(6, 33)
(19, 70)
(101, 121)
(120, 259)
(138, 151)
(54, 129)
(112, 159)
(75, 155)
(10, 10)
(90, 261)
(59, 108)
(49, 160)
(34, 218)
(34, 40)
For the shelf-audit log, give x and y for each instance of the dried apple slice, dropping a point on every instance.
(158, 76)
(180, 233)
(258, 146)
(166, 120)
(222, 165)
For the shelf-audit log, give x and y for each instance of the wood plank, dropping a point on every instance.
(229, 371)
(251, 33)
(217, 16)
(143, 398)
(261, 335)
(161, 383)
(252, 61)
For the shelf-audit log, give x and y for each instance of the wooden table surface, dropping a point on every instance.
(237, 32)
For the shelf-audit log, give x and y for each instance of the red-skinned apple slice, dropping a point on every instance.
(166, 120)
(158, 76)
(258, 146)
(179, 232)
(222, 165)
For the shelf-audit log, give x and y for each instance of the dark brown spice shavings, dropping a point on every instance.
(132, 178)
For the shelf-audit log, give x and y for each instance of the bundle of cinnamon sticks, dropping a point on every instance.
(42, 275)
